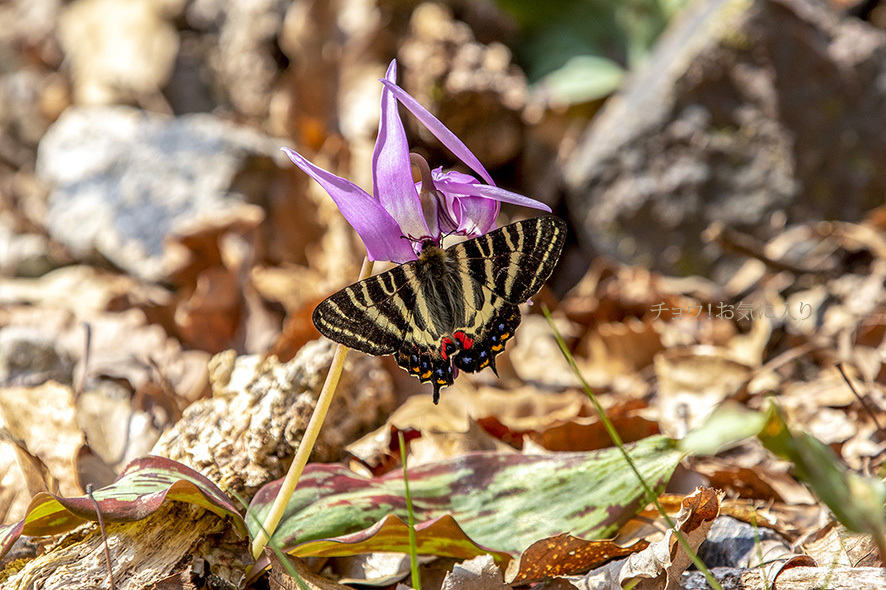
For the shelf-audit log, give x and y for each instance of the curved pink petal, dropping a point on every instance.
(476, 215)
(392, 182)
(491, 192)
(375, 226)
(440, 131)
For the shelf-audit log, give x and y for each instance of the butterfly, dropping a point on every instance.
(450, 308)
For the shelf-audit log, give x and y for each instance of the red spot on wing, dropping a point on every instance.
(466, 342)
(443, 344)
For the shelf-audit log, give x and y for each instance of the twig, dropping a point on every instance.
(307, 443)
(863, 401)
(739, 243)
(87, 346)
(101, 526)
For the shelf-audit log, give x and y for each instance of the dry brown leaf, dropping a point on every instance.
(663, 562)
(748, 483)
(588, 434)
(692, 382)
(117, 432)
(507, 415)
(612, 349)
(82, 290)
(565, 555)
(43, 420)
(835, 546)
(661, 565)
(208, 317)
(827, 389)
(437, 446)
(535, 356)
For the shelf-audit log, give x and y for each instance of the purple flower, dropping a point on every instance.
(401, 214)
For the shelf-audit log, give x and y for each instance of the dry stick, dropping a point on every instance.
(863, 401)
(307, 442)
(101, 526)
(735, 241)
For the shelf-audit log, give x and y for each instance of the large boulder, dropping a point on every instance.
(746, 109)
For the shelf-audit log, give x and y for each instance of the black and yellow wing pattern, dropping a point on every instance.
(450, 308)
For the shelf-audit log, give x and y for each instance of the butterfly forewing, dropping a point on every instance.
(516, 260)
(457, 307)
(373, 315)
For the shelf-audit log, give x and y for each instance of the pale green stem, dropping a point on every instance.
(307, 442)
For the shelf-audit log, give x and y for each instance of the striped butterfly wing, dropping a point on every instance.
(373, 315)
(460, 313)
(499, 271)
(515, 261)
(383, 315)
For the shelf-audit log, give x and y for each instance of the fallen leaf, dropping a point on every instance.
(564, 555)
(43, 421)
(588, 494)
(140, 490)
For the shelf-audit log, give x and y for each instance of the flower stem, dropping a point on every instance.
(307, 442)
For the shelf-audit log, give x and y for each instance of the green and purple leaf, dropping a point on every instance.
(139, 491)
(502, 503)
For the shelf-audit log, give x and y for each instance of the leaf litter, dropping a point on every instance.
(100, 370)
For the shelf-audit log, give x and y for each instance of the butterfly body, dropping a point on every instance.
(450, 308)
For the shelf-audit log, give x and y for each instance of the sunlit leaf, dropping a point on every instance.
(500, 502)
(728, 426)
(139, 491)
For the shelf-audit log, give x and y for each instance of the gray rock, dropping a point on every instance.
(744, 109)
(124, 179)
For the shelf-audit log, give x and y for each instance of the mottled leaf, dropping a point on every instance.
(565, 555)
(501, 502)
(136, 494)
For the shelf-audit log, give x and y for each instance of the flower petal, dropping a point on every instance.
(476, 215)
(392, 182)
(375, 226)
(440, 131)
(491, 192)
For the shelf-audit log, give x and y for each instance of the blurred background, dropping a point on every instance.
(125, 123)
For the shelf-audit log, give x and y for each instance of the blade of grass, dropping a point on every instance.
(413, 549)
(616, 439)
